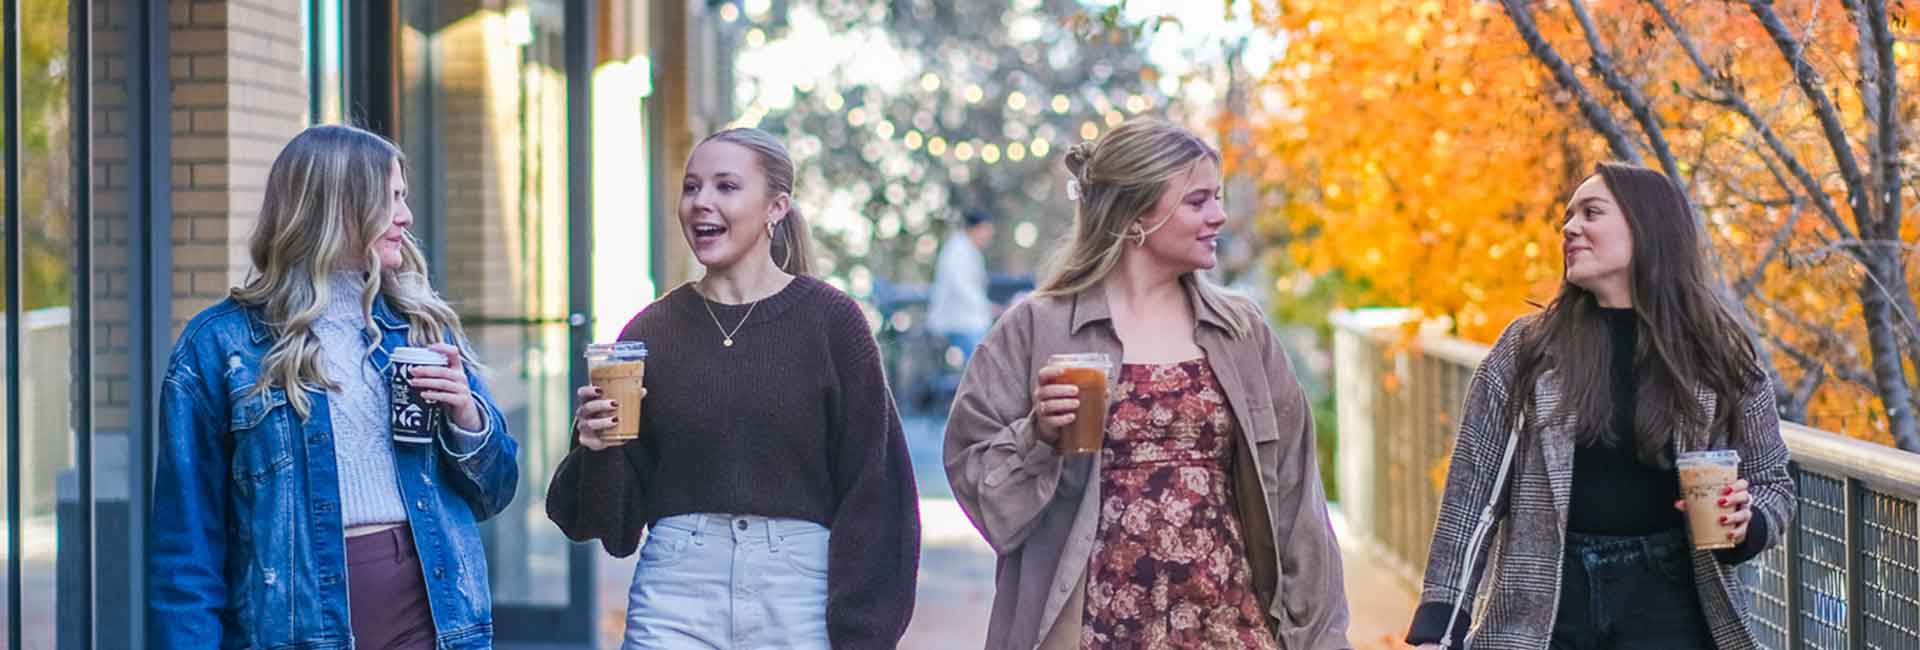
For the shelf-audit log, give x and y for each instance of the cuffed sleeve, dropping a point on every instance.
(1755, 543)
(1314, 597)
(487, 474)
(602, 495)
(1430, 624)
(1002, 477)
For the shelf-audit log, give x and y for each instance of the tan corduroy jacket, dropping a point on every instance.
(1040, 511)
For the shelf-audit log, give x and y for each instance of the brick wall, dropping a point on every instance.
(239, 93)
(110, 181)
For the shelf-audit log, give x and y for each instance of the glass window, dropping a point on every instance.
(482, 116)
(48, 487)
(324, 60)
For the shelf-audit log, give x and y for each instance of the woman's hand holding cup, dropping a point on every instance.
(1053, 406)
(595, 416)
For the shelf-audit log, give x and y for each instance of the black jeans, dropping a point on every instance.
(1629, 593)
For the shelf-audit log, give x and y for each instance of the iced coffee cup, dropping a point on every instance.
(1704, 476)
(618, 369)
(1088, 372)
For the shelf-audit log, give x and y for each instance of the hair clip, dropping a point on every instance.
(1073, 189)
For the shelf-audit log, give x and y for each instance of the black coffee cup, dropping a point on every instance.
(414, 419)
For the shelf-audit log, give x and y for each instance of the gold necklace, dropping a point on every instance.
(726, 336)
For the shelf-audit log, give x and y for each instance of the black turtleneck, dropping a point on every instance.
(1613, 492)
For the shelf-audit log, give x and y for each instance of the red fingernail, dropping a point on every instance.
(1723, 503)
(1727, 491)
(1723, 520)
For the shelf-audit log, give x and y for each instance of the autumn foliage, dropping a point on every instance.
(1419, 153)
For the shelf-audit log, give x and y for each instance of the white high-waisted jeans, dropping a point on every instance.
(729, 581)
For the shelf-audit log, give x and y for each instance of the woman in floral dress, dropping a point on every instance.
(1200, 523)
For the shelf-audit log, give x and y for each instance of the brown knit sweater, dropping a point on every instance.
(795, 421)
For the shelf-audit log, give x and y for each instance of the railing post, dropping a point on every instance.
(1794, 579)
(1856, 585)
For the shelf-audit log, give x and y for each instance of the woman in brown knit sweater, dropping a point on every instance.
(771, 477)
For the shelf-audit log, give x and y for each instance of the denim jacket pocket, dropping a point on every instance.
(260, 428)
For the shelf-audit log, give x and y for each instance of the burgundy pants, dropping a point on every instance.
(387, 593)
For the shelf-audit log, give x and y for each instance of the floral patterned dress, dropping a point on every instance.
(1169, 566)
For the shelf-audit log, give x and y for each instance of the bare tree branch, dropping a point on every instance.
(1731, 97)
(1597, 114)
(1793, 407)
(1887, 117)
(1813, 87)
(1780, 239)
(1630, 95)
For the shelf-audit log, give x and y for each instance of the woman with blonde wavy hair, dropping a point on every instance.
(286, 509)
(1199, 520)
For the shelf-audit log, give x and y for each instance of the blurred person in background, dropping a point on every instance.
(958, 308)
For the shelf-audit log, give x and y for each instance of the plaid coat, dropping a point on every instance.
(1524, 562)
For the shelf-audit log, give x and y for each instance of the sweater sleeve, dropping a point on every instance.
(874, 552)
(603, 494)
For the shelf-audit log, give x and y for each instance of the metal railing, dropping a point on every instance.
(1848, 576)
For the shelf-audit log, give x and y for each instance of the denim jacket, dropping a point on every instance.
(247, 549)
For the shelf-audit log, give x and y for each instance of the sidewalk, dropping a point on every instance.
(955, 591)
(956, 588)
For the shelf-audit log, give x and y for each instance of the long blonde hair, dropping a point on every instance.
(792, 250)
(1121, 177)
(330, 189)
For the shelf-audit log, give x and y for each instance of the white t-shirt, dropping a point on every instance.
(958, 302)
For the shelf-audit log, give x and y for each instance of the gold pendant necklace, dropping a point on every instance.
(726, 336)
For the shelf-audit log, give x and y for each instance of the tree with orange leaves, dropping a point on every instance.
(1421, 151)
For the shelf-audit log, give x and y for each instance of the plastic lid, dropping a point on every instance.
(619, 349)
(418, 356)
(1713, 457)
(1080, 360)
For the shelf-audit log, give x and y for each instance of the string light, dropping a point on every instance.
(1061, 104)
(929, 82)
(937, 146)
(835, 101)
(913, 140)
(963, 151)
(1089, 130)
(974, 94)
(1136, 104)
(1040, 147)
(729, 12)
(990, 154)
(884, 129)
(1016, 151)
(1017, 100)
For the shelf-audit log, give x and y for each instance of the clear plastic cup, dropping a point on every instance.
(1704, 475)
(619, 369)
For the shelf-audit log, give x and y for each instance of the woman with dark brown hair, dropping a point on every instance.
(1568, 443)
